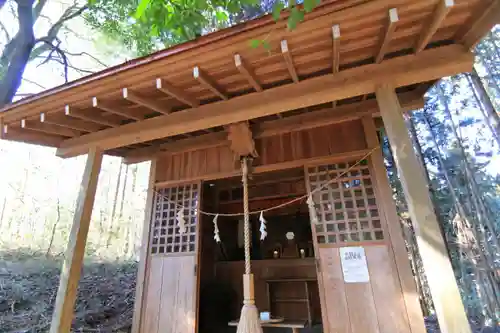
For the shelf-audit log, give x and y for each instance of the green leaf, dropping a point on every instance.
(141, 8)
(255, 43)
(309, 5)
(221, 17)
(295, 17)
(277, 8)
(266, 45)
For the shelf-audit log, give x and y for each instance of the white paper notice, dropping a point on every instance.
(354, 264)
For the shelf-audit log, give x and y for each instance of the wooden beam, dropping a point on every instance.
(289, 61)
(336, 48)
(440, 276)
(402, 71)
(142, 101)
(103, 106)
(29, 136)
(388, 209)
(73, 259)
(241, 140)
(484, 19)
(247, 72)
(205, 80)
(38, 126)
(442, 9)
(90, 116)
(204, 141)
(144, 251)
(175, 92)
(390, 28)
(325, 117)
(67, 122)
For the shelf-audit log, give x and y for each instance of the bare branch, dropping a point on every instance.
(60, 52)
(33, 82)
(88, 55)
(4, 29)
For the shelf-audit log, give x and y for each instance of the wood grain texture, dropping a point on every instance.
(151, 313)
(142, 269)
(391, 311)
(398, 246)
(362, 312)
(72, 266)
(335, 310)
(442, 284)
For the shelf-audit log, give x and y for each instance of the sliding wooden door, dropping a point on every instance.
(171, 300)
(358, 280)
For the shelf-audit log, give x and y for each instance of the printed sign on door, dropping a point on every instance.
(354, 265)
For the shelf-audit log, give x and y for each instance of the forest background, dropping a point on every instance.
(456, 135)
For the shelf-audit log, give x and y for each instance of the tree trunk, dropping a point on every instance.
(25, 41)
(2, 211)
(488, 109)
(54, 228)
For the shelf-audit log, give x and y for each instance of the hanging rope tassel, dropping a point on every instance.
(216, 229)
(249, 319)
(181, 221)
(312, 210)
(263, 232)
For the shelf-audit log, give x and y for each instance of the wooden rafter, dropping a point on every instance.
(26, 135)
(142, 101)
(98, 119)
(484, 19)
(289, 61)
(205, 80)
(336, 48)
(71, 123)
(175, 92)
(442, 9)
(247, 72)
(390, 28)
(409, 101)
(103, 106)
(38, 126)
(401, 71)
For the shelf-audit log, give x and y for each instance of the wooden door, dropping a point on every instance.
(347, 211)
(170, 304)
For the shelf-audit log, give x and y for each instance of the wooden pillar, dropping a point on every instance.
(143, 258)
(437, 266)
(388, 208)
(72, 266)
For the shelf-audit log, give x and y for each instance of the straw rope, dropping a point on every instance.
(302, 197)
(246, 225)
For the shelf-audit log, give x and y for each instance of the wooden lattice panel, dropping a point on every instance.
(346, 208)
(165, 235)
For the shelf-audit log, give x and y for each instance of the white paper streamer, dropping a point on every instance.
(263, 232)
(181, 222)
(312, 210)
(216, 229)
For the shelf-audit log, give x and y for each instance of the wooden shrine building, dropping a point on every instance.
(311, 107)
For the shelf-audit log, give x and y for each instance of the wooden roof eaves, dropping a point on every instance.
(335, 11)
(425, 66)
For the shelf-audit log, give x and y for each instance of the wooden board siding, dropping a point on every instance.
(219, 161)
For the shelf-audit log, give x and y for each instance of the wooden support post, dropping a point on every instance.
(142, 269)
(388, 209)
(72, 266)
(442, 284)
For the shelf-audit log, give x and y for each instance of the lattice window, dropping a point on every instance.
(346, 208)
(166, 238)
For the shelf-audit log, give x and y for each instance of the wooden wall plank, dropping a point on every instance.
(143, 259)
(362, 312)
(390, 309)
(153, 298)
(335, 309)
(73, 261)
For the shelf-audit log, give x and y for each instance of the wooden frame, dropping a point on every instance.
(71, 270)
(440, 276)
